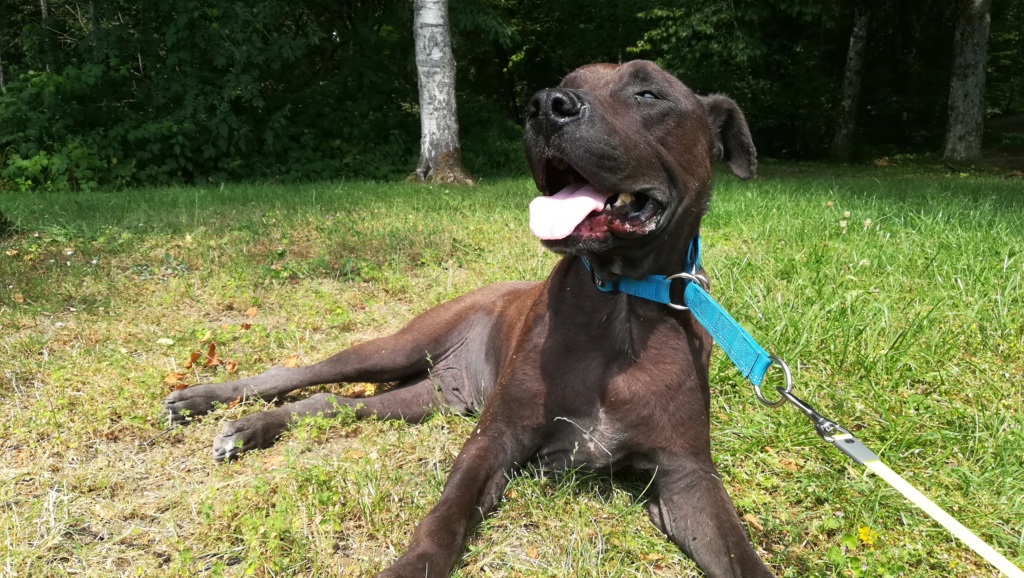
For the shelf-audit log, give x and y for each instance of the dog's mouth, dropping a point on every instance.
(575, 206)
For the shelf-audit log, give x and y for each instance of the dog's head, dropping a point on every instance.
(622, 155)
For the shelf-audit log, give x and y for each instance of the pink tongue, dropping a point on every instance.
(555, 217)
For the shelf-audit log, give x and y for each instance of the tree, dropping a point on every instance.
(842, 144)
(967, 82)
(3, 81)
(440, 152)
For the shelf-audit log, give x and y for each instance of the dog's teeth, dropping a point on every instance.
(624, 199)
(607, 206)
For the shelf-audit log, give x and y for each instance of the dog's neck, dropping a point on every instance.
(672, 257)
(657, 288)
(628, 302)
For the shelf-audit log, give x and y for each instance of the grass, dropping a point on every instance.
(908, 329)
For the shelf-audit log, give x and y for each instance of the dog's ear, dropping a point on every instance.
(732, 142)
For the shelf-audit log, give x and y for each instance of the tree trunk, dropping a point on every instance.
(440, 153)
(3, 80)
(842, 144)
(48, 52)
(967, 81)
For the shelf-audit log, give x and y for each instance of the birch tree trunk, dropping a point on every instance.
(440, 153)
(842, 144)
(967, 81)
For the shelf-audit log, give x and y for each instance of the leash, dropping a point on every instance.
(753, 363)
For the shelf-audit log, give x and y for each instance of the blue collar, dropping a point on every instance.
(655, 288)
(750, 358)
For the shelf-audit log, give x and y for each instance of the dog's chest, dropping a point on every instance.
(590, 442)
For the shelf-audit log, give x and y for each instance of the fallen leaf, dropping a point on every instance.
(230, 366)
(246, 326)
(164, 341)
(753, 521)
(355, 454)
(788, 464)
(180, 386)
(358, 391)
(174, 378)
(234, 402)
(292, 361)
(654, 557)
(273, 461)
(532, 553)
(211, 356)
(193, 358)
(18, 298)
(252, 312)
(11, 253)
(208, 336)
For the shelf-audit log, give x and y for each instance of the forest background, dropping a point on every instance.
(125, 93)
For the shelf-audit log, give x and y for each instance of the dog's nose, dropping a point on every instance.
(553, 108)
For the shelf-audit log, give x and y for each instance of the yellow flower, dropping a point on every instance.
(867, 536)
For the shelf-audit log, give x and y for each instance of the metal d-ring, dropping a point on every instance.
(787, 389)
(698, 279)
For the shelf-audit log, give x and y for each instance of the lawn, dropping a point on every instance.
(895, 294)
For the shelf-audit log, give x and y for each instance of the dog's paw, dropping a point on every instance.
(252, 432)
(183, 405)
(410, 566)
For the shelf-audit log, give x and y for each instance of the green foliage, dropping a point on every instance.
(491, 142)
(202, 91)
(1004, 90)
(784, 61)
(127, 93)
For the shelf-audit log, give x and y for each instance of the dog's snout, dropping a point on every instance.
(553, 108)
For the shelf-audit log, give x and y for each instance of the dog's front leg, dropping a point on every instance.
(397, 357)
(478, 479)
(692, 508)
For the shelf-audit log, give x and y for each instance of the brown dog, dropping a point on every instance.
(571, 376)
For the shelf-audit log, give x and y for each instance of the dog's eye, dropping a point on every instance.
(647, 95)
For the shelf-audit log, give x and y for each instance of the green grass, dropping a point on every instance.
(909, 330)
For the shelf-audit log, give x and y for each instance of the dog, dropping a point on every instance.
(572, 376)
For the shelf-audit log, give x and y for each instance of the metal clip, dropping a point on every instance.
(830, 431)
